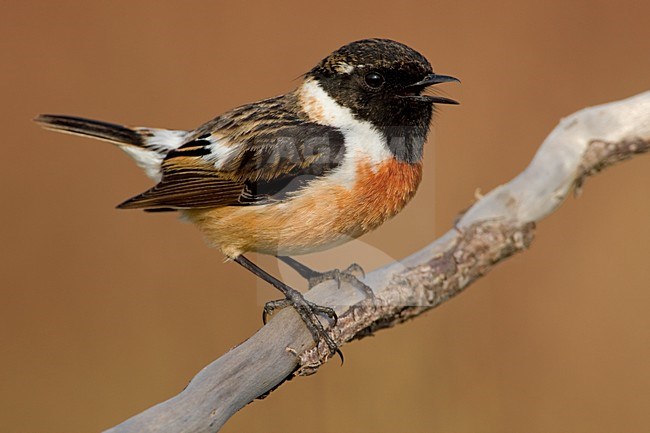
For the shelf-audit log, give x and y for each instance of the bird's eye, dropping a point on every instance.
(374, 79)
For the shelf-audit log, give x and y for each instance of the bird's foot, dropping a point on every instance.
(307, 310)
(348, 275)
(308, 313)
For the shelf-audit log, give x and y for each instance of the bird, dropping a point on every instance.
(297, 173)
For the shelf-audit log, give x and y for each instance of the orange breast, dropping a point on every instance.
(324, 215)
(381, 193)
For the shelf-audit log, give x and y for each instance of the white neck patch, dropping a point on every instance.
(362, 140)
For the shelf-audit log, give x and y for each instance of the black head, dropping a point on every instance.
(381, 81)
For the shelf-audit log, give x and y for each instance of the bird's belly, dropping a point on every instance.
(324, 215)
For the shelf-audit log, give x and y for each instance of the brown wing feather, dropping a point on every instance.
(193, 186)
(274, 147)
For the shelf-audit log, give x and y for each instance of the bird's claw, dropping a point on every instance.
(347, 275)
(307, 311)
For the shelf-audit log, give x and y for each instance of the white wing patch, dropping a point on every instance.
(220, 151)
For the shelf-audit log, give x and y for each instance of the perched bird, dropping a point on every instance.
(296, 173)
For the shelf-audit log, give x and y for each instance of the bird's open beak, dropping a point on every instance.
(412, 91)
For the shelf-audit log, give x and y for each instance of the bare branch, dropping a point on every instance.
(497, 226)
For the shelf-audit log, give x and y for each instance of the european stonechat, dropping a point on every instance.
(297, 173)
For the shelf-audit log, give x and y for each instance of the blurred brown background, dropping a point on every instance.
(104, 312)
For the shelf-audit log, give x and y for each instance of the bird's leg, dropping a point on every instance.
(306, 309)
(314, 277)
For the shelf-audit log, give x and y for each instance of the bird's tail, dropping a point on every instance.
(147, 146)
